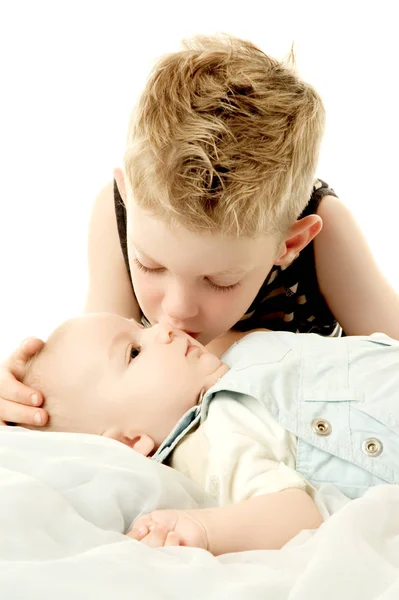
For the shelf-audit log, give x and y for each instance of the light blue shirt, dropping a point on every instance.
(338, 396)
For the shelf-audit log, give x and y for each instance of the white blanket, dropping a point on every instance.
(66, 499)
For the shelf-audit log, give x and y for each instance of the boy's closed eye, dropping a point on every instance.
(212, 284)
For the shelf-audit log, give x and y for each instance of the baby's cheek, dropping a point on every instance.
(210, 363)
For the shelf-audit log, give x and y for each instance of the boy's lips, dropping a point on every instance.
(193, 334)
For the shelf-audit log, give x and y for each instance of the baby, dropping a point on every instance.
(292, 410)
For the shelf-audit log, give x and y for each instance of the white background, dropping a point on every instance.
(70, 74)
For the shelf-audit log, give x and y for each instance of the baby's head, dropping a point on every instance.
(107, 375)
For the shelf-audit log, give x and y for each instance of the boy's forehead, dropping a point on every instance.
(160, 241)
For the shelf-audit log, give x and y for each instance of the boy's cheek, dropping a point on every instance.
(149, 299)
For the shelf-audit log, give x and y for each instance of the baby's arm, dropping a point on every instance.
(263, 522)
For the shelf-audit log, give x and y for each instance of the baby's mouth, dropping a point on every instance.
(191, 347)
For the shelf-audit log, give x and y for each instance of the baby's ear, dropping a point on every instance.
(143, 444)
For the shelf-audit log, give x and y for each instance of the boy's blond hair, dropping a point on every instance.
(224, 140)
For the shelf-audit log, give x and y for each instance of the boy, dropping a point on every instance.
(282, 413)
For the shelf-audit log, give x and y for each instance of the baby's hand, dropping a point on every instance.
(170, 528)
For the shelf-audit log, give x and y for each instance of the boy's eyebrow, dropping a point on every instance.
(237, 271)
(142, 251)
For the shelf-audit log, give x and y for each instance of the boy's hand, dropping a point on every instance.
(19, 403)
(170, 528)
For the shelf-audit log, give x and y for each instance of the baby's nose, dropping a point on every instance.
(165, 334)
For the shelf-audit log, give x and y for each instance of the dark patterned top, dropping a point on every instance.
(290, 298)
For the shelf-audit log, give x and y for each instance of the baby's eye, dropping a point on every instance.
(134, 352)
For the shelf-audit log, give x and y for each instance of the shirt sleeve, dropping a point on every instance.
(191, 456)
(248, 454)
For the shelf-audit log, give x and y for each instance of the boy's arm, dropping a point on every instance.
(357, 293)
(262, 522)
(110, 289)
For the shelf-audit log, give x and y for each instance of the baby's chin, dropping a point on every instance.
(215, 375)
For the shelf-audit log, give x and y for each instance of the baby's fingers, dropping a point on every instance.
(141, 527)
(156, 537)
(138, 533)
(172, 539)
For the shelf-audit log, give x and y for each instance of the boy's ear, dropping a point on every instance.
(299, 236)
(119, 177)
(142, 443)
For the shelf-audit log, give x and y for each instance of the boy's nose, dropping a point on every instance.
(179, 304)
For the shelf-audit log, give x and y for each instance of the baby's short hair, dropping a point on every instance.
(38, 376)
(224, 139)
